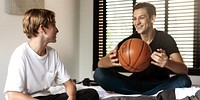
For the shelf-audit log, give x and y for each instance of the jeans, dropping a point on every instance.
(113, 81)
(84, 94)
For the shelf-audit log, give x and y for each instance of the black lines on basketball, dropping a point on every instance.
(129, 56)
(138, 56)
(134, 55)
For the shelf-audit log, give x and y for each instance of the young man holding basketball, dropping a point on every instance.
(165, 58)
(35, 67)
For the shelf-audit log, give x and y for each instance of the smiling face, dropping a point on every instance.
(142, 21)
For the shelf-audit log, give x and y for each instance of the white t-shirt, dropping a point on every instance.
(32, 74)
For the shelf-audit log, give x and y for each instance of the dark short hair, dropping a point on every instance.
(33, 18)
(150, 8)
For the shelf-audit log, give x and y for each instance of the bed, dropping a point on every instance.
(192, 93)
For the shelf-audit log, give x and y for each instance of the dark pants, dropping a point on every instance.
(84, 94)
(113, 81)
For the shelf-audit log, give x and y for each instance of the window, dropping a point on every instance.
(179, 18)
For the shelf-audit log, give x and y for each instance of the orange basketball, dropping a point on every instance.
(134, 55)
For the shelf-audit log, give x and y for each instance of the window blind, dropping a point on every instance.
(179, 18)
(181, 27)
(119, 22)
(99, 28)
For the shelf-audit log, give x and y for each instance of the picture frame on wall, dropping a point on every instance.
(19, 7)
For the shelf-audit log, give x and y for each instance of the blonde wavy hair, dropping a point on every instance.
(33, 18)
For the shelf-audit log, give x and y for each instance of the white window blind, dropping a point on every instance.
(119, 22)
(179, 18)
(181, 27)
(179, 23)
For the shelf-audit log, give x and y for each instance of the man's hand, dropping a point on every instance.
(159, 58)
(109, 60)
(113, 58)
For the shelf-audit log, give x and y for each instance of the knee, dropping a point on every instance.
(87, 94)
(98, 74)
(93, 93)
(102, 75)
(185, 80)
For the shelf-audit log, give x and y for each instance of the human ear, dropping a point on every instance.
(40, 29)
(153, 18)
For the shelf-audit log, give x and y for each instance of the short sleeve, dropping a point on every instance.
(170, 45)
(62, 75)
(15, 76)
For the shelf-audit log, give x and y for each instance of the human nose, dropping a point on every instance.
(136, 21)
(57, 29)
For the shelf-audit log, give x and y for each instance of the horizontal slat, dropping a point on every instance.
(180, 23)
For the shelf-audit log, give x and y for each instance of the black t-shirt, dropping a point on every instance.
(161, 40)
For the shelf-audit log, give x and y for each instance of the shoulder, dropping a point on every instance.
(52, 53)
(166, 41)
(164, 37)
(23, 46)
(18, 58)
(50, 49)
(162, 34)
(21, 49)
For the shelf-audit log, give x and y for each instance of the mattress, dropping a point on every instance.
(177, 94)
(191, 93)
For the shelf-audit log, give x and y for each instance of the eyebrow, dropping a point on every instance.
(140, 16)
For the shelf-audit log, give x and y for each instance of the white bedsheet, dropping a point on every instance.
(179, 92)
(104, 94)
(183, 92)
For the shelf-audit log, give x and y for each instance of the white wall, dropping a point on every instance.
(11, 36)
(86, 39)
(67, 20)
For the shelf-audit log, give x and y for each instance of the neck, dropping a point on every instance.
(148, 38)
(37, 46)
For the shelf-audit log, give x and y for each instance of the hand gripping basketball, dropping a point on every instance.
(134, 55)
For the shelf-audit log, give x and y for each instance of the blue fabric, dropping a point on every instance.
(111, 80)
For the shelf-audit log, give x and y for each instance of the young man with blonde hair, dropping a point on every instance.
(35, 67)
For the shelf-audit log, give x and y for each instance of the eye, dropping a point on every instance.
(54, 24)
(142, 17)
(134, 19)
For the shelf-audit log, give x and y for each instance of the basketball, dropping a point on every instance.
(134, 55)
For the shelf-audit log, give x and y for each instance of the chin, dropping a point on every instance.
(139, 32)
(53, 41)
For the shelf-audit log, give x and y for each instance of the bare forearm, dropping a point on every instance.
(18, 96)
(104, 62)
(70, 90)
(177, 67)
(174, 63)
(109, 60)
